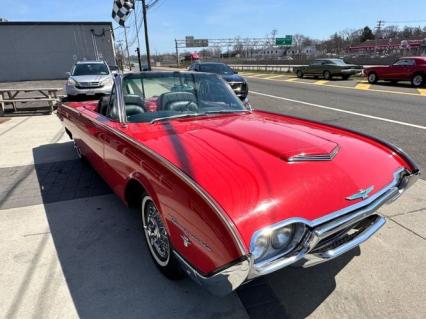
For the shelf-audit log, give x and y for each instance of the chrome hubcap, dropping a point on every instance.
(156, 233)
(418, 79)
(372, 77)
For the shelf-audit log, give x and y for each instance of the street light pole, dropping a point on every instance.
(145, 22)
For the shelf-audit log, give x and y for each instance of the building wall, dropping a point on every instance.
(45, 51)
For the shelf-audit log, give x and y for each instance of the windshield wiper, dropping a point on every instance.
(177, 116)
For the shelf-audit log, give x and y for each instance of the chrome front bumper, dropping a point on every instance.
(73, 90)
(328, 237)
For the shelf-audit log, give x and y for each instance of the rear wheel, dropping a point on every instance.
(299, 74)
(346, 77)
(417, 80)
(327, 75)
(158, 241)
(372, 78)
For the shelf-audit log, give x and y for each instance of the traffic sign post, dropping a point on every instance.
(287, 41)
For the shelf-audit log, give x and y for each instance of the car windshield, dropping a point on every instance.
(216, 68)
(90, 69)
(159, 96)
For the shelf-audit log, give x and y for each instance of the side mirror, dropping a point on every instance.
(67, 74)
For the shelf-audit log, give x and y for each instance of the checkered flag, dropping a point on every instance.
(121, 10)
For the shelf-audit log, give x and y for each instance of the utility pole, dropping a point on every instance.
(378, 32)
(138, 51)
(145, 22)
(177, 53)
(127, 48)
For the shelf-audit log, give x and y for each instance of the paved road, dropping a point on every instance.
(399, 117)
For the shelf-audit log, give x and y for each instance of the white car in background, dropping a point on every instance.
(89, 78)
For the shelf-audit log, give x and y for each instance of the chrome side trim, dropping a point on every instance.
(182, 175)
(221, 283)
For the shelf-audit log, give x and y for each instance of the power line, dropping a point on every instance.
(407, 21)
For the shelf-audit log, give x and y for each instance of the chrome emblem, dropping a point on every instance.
(363, 193)
(186, 241)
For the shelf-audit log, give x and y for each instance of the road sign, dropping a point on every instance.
(288, 40)
(190, 42)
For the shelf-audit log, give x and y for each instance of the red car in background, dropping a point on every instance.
(226, 193)
(411, 69)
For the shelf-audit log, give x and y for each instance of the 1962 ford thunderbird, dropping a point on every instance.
(227, 193)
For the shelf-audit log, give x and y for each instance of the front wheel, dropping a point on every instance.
(417, 80)
(346, 77)
(372, 78)
(327, 75)
(299, 74)
(158, 241)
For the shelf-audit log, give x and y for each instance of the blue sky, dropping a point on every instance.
(171, 19)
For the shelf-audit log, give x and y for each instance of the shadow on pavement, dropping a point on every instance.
(302, 290)
(105, 261)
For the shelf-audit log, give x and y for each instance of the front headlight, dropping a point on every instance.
(261, 245)
(281, 237)
(106, 81)
(71, 81)
(276, 241)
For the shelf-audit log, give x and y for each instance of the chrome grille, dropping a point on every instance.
(89, 84)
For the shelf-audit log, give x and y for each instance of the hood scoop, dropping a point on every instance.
(303, 157)
(292, 143)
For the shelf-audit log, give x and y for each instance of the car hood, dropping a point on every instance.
(232, 78)
(244, 163)
(91, 78)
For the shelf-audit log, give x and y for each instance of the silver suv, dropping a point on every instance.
(89, 78)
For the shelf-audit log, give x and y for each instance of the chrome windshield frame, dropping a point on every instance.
(118, 82)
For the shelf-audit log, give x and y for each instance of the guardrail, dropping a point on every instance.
(287, 68)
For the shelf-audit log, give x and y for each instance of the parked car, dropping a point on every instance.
(89, 78)
(328, 68)
(411, 69)
(225, 193)
(237, 82)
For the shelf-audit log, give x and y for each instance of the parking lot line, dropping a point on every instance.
(257, 75)
(290, 80)
(321, 82)
(362, 86)
(340, 110)
(274, 77)
(422, 91)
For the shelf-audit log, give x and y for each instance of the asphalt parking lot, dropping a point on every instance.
(69, 248)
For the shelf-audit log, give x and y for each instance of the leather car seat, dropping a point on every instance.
(177, 101)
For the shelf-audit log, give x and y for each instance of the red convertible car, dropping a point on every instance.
(411, 69)
(228, 194)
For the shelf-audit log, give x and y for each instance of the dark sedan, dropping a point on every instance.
(237, 83)
(328, 68)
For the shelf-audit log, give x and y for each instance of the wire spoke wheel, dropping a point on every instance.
(155, 232)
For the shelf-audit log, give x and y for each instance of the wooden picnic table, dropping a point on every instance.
(14, 96)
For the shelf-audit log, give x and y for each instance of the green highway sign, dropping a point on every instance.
(288, 40)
